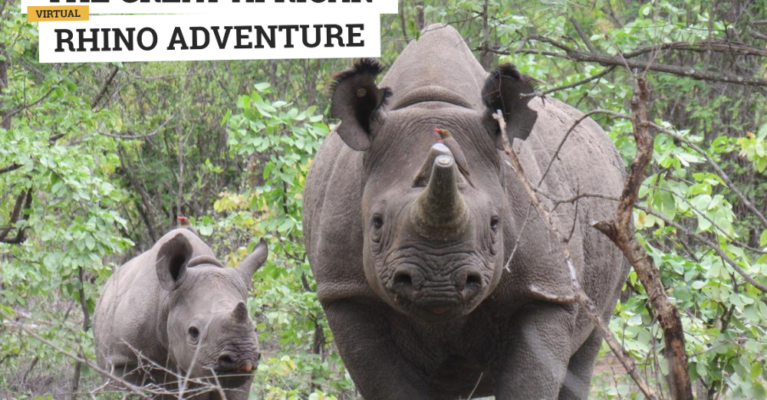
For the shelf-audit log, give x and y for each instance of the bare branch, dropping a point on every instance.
(718, 250)
(712, 222)
(133, 137)
(583, 35)
(104, 87)
(572, 85)
(136, 390)
(710, 244)
(716, 167)
(569, 131)
(10, 168)
(621, 232)
(402, 20)
(580, 295)
(703, 47)
(581, 56)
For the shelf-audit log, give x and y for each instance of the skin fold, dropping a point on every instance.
(412, 262)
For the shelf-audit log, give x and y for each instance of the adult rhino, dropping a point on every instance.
(179, 308)
(410, 266)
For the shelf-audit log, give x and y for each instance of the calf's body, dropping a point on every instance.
(177, 306)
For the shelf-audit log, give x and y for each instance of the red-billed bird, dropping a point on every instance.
(460, 160)
(183, 222)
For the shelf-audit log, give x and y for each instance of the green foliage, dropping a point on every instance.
(754, 148)
(298, 364)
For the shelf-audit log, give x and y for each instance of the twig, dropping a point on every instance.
(10, 168)
(572, 85)
(621, 231)
(475, 386)
(148, 135)
(58, 349)
(716, 167)
(402, 20)
(580, 295)
(690, 72)
(572, 128)
(104, 88)
(13, 113)
(718, 250)
(583, 36)
(519, 238)
(708, 243)
(712, 222)
(702, 47)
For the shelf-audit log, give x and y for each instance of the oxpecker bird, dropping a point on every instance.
(183, 222)
(460, 160)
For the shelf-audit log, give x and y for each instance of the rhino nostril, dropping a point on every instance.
(403, 278)
(468, 280)
(473, 279)
(225, 361)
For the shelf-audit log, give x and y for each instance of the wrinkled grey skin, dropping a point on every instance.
(410, 271)
(181, 309)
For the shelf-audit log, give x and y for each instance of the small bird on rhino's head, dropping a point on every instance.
(183, 222)
(460, 160)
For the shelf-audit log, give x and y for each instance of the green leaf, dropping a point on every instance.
(90, 242)
(262, 86)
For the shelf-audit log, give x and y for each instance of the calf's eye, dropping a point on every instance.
(377, 221)
(494, 221)
(194, 333)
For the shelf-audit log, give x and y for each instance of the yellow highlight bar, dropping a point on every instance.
(57, 13)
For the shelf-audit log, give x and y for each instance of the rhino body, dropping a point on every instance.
(412, 272)
(180, 308)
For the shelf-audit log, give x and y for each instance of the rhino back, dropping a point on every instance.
(132, 308)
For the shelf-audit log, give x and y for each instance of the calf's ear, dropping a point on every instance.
(503, 91)
(254, 261)
(171, 261)
(357, 101)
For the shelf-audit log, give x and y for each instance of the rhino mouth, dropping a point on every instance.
(435, 298)
(231, 377)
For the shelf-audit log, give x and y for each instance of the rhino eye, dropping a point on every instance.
(377, 221)
(494, 223)
(194, 333)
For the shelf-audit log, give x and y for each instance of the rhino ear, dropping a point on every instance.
(171, 261)
(356, 100)
(502, 91)
(254, 261)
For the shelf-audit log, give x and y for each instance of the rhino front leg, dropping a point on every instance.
(538, 350)
(373, 360)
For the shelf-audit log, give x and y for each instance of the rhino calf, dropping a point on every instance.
(177, 306)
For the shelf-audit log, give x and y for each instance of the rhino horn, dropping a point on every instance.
(240, 313)
(440, 211)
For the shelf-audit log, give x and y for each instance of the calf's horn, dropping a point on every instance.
(240, 313)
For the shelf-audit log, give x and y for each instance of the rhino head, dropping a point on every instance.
(434, 243)
(209, 331)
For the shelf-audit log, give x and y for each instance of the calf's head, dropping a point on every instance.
(208, 328)
(433, 244)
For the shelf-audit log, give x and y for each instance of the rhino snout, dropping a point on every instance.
(232, 362)
(439, 296)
